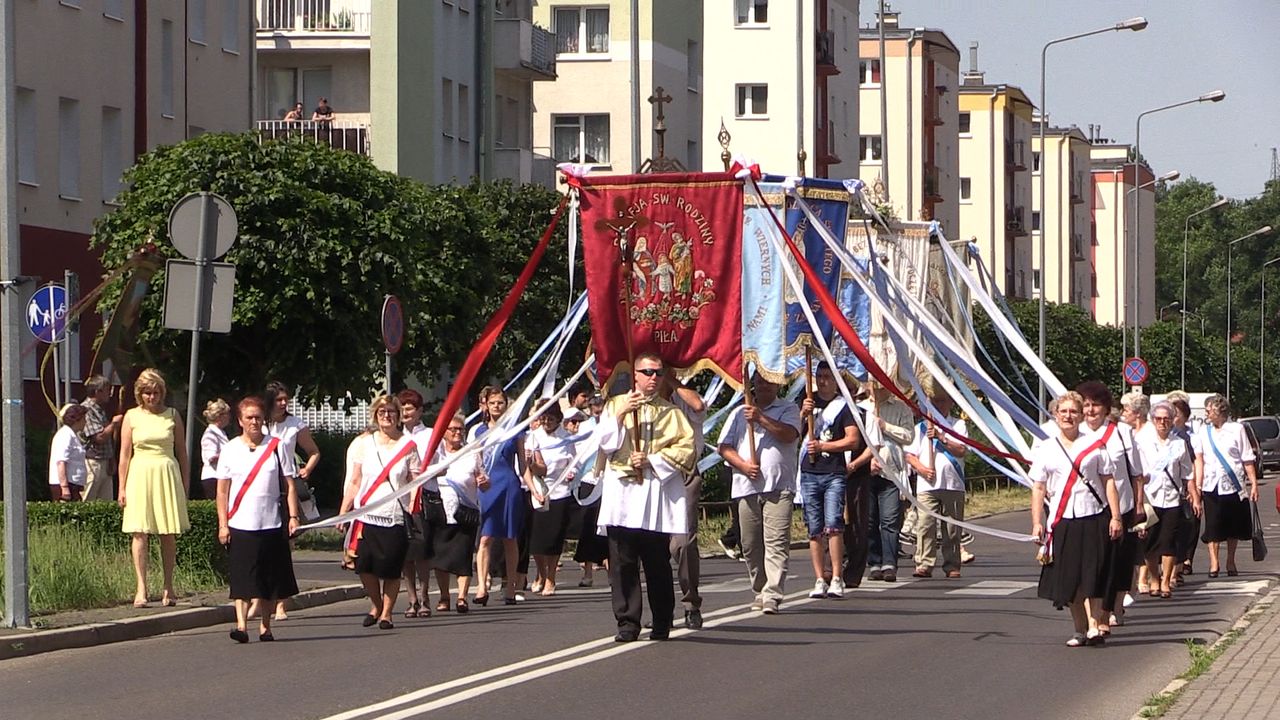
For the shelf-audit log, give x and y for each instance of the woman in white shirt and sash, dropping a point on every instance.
(553, 453)
(1073, 474)
(257, 512)
(453, 542)
(1224, 460)
(1169, 472)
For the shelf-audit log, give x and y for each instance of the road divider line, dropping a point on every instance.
(510, 668)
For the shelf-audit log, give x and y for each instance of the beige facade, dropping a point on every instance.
(585, 116)
(1067, 273)
(763, 104)
(438, 90)
(921, 78)
(995, 181)
(1113, 205)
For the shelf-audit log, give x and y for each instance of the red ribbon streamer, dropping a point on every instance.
(851, 338)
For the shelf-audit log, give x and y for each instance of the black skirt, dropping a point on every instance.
(592, 548)
(381, 551)
(1079, 561)
(550, 527)
(1121, 556)
(261, 566)
(1163, 538)
(453, 547)
(1226, 517)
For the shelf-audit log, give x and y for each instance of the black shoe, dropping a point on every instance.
(875, 575)
(891, 576)
(369, 621)
(660, 634)
(240, 636)
(266, 637)
(626, 636)
(693, 619)
(385, 625)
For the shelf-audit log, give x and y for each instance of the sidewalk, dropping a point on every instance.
(1245, 681)
(320, 580)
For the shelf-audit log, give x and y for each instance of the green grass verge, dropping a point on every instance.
(70, 571)
(1202, 658)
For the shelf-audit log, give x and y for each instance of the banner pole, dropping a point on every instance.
(808, 394)
(749, 401)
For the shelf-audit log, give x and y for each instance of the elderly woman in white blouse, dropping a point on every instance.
(1224, 462)
(217, 415)
(1170, 470)
(1074, 475)
(453, 542)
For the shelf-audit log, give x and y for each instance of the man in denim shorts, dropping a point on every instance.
(822, 479)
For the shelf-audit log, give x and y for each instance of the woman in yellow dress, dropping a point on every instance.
(154, 481)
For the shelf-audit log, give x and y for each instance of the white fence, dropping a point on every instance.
(350, 16)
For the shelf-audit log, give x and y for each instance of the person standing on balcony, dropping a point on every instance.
(323, 113)
(294, 115)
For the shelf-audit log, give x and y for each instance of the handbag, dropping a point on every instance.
(1152, 518)
(1259, 542)
(467, 516)
(539, 488)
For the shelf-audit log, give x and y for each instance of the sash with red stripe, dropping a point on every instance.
(1071, 481)
(357, 526)
(253, 475)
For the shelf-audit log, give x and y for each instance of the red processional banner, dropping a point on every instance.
(663, 256)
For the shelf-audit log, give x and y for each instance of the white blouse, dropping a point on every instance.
(1051, 466)
(288, 430)
(260, 507)
(458, 484)
(1125, 459)
(1231, 441)
(557, 453)
(369, 461)
(421, 436)
(1168, 465)
(211, 443)
(66, 447)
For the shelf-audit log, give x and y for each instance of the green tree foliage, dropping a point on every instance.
(323, 235)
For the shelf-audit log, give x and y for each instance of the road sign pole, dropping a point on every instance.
(204, 248)
(70, 338)
(386, 385)
(16, 601)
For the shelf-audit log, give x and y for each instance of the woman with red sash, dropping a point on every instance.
(1074, 475)
(257, 512)
(385, 461)
(1227, 476)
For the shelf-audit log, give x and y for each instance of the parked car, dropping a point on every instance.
(1265, 429)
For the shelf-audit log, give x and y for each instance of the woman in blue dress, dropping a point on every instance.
(502, 506)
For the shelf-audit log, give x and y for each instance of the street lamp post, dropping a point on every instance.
(1124, 323)
(1214, 96)
(1170, 306)
(1135, 24)
(1260, 231)
(1186, 229)
(1262, 329)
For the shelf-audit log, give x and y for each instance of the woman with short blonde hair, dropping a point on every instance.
(217, 414)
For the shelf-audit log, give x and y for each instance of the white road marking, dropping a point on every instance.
(993, 588)
(737, 585)
(713, 619)
(879, 586)
(1231, 587)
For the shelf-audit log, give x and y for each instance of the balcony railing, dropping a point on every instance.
(338, 134)
(524, 49)
(1015, 156)
(320, 16)
(1077, 247)
(1015, 219)
(932, 189)
(825, 49)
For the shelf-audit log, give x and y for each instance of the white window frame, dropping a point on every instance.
(582, 135)
(867, 152)
(747, 9)
(743, 102)
(961, 132)
(584, 52)
(866, 72)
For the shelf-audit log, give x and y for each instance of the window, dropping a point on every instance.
(753, 101)
(1035, 280)
(581, 138)
(870, 147)
(112, 152)
(869, 71)
(966, 189)
(26, 120)
(446, 106)
(282, 92)
(691, 157)
(693, 65)
(464, 112)
(1035, 161)
(166, 68)
(1035, 222)
(113, 9)
(231, 26)
(581, 30)
(196, 17)
(965, 121)
(69, 148)
(751, 12)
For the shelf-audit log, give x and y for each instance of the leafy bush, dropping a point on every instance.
(326, 481)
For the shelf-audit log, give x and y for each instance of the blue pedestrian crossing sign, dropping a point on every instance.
(46, 313)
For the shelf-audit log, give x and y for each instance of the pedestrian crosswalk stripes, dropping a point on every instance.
(993, 588)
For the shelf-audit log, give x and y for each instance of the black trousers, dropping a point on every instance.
(629, 549)
(857, 531)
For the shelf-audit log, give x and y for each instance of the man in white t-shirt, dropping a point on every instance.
(938, 460)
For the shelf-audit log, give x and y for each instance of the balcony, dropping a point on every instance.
(1077, 247)
(1015, 155)
(1014, 220)
(523, 50)
(932, 189)
(827, 151)
(825, 51)
(1077, 191)
(524, 166)
(339, 134)
(314, 24)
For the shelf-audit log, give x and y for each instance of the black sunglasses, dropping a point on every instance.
(650, 372)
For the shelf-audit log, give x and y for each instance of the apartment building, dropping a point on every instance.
(1066, 275)
(994, 125)
(1113, 247)
(917, 144)
(438, 90)
(100, 82)
(798, 91)
(586, 115)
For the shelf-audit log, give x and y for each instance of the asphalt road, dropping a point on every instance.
(980, 646)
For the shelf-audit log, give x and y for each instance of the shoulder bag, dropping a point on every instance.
(1259, 542)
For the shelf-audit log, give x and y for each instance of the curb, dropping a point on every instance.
(1259, 606)
(43, 641)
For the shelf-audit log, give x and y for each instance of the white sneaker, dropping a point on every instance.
(966, 557)
(1128, 600)
(836, 591)
(820, 588)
